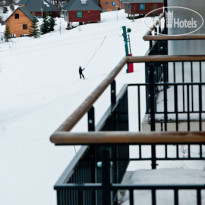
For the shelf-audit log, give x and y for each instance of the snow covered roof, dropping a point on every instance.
(25, 11)
(22, 2)
(38, 5)
(143, 1)
(76, 5)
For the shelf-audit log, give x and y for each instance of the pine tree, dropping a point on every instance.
(45, 26)
(7, 33)
(52, 23)
(34, 31)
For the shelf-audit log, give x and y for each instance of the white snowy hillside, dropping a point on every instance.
(40, 88)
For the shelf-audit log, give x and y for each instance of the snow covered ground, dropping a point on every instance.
(162, 177)
(39, 89)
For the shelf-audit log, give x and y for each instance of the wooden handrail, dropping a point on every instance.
(86, 105)
(165, 58)
(173, 37)
(71, 121)
(88, 138)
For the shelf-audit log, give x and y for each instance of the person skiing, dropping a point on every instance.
(81, 72)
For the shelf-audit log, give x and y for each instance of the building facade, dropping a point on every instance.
(110, 5)
(19, 22)
(82, 11)
(133, 7)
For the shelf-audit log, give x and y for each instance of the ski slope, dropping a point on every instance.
(39, 89)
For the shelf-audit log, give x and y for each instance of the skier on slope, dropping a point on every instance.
(81, 72)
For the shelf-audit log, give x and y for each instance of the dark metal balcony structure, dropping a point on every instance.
(95, 174)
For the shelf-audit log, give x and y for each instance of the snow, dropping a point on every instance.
(8, 13)
(163, 177)
(40, 88)
(46, 4)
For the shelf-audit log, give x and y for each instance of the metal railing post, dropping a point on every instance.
(152, 113)
(113, 102)
(152, 97)
(91, 119)
(113, 92)
(106, 180)
(150, 45)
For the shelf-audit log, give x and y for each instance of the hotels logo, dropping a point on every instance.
(172, 22)
(169, 18)
(178, 20)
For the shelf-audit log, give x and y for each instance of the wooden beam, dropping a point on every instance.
(71, 121)
(165, 58)
(88, 138)
(149, 37)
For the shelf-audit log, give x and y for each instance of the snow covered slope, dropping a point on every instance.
(40, 87)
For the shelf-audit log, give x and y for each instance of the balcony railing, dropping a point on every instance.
(94, 175)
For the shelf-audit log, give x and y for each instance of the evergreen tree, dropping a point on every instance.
(52, 23)
(7, 33)
(34, 31)
(45, 26)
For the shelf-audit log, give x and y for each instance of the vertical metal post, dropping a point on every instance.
(176, 106)
(91, 119)
(150, 45)
(153, 197)
(153, 153)
(165, 107)
(152, 97)
(106, 180)
(198, 191)
(113, 102)
(113, 92)
(160, 30)
(152, 114)
(155, 31)
(176, 197)
(200, 107)
(126, 44)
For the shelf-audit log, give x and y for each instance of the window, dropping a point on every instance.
(106, 3)
(79, 14)
(142, 6)
(16, 16)
(25, 26)
(113, 3)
